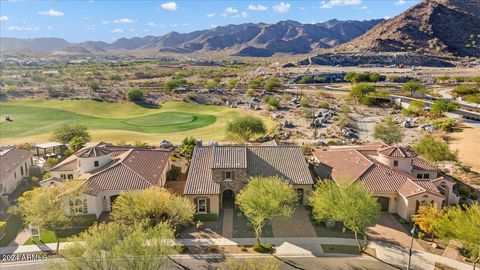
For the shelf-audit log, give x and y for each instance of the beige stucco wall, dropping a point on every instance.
(214, 202)
(451, 198)
(433, 174)
(10, 182)
(404, 164)
(87, 164)
(393, 200)
(58, 174)
(406, 206)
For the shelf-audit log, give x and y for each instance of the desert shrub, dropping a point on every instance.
(464, 190)
(134, 94)
(263, 248)
(445, 124)
(250, 92)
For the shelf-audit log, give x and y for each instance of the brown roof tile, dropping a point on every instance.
(10, 159)
(395, 151)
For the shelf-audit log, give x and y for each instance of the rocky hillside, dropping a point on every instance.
(438, 27)
(245, 39)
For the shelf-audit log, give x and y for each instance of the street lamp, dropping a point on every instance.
(411, 246)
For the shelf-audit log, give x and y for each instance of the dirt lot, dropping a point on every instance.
(468, 144)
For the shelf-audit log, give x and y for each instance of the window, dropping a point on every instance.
(426, 176)
(21, 171)
(202, 205)
(79, 164)
(228, 175)
(78, 206)
(63, 176)
(70, 176)
(95, 163)
(395, 163)
(26, 169)
(419, 176)
(15, 175)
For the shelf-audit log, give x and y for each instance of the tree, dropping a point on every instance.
(462, 225)
(245, 128)
(78, 142)
(388, 131)
(187, 147)
(134, 94)
(272, 83)
(120, 246)
(351, 204)
(360, 91)
(434, 150)
(413, 87)
(153, 206)
(427, 217)
(47, 207)
(65, 133)
(266, 198)
(441, 106)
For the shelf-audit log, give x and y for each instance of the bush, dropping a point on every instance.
(445, 124)
(464, 190)
(174, 173)
(421, 235)
(134, 94)
(305, 102)
(441, 106)
(474, 196)
(434, 150)
(205, 217)
(263, 248)
(51, 162)
(463, 90)
(273, 102)
(250, 92)
(272, 83)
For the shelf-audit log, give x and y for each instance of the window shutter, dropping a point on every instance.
(223, 175)
(233, 175)
(195, 201)
(208, 205)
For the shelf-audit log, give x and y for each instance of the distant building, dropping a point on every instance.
(109, 170)
(15, 165)
(218, 173)
(396, 176)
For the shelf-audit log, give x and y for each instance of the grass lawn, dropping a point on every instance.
(34, 120)
(14, 226)
(342, 249)
(47, 236)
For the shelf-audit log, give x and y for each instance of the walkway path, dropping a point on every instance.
(227, 223)
(21, 238)
(298, 225)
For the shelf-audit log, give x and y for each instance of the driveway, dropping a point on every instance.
(298, 225)
(388, 229)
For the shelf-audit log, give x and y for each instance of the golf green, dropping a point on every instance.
(33, 120)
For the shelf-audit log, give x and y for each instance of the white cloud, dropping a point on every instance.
(282, 7)
(51, 12)
(213, 25)
(400, 2)
(231, 10)
(20, 28)
(117, 30)
(242, 14)
(49, 27)
(387, 17)
(152, 24)
(336, 3)
(104, 22)
(172, 6)
(3, 18)
(210, 15)
(363, 7)
(124, 21)
(257, 7)
(132, 30)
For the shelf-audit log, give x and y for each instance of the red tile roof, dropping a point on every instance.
(10, 159)
(395, 151)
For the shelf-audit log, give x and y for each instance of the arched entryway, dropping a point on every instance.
(228, 199)
(444, 191)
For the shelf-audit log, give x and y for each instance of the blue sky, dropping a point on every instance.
(83, 20)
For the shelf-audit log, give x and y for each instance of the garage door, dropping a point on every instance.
(383, 201)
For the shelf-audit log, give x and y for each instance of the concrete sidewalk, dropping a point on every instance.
(297, 247)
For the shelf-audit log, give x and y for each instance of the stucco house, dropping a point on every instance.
(218, 173)
(401, 180)
(15, 165)
(107, 171)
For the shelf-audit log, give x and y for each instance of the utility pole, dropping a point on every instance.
(411, 246)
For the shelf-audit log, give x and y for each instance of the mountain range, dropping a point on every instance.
(247, 39)
(436, 27)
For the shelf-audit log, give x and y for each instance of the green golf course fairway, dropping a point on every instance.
(34, 120)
